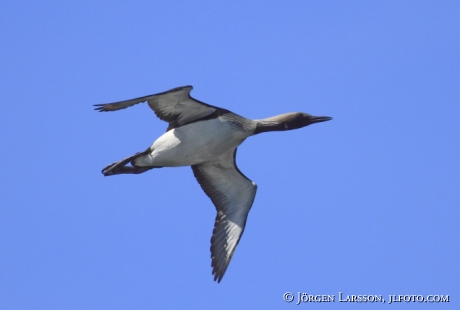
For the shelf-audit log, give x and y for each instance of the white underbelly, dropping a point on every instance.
(193, 144)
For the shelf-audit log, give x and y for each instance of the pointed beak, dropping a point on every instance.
(319, 119)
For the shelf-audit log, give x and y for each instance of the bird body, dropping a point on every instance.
(195, 143)
(206, 138)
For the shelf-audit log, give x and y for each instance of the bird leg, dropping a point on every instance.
(120, 167)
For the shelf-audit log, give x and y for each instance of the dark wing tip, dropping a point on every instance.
(108, 107)
(218, 269)
(100, 107)
(218, 275)
(103, 107)
(217, 278)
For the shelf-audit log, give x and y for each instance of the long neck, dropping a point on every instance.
(265, 125)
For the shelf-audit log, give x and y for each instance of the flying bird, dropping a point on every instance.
(206, 138)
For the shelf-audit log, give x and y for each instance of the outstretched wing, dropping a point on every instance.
(174, 106)
(232, 194)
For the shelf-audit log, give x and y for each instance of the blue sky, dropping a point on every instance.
(365, 204)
